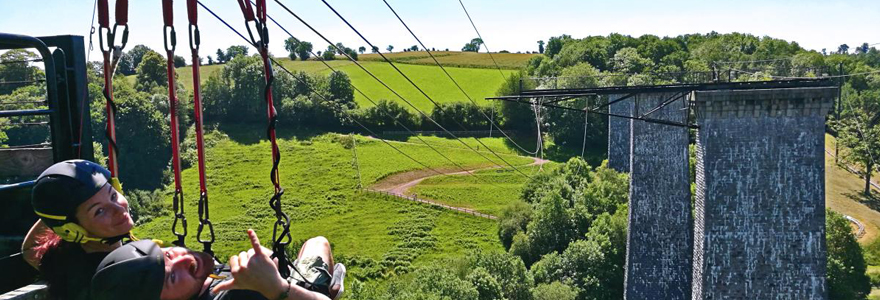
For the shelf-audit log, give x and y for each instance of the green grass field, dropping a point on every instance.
(321, 198)
(510, 61)
(479, 83)
(470, 192)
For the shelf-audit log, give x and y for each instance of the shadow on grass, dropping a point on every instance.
(872, 201)
(253, 133)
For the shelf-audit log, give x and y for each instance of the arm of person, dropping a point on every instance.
(30, 241)
(255, 270)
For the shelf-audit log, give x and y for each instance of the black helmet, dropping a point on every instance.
(60, 189)
(135, 271)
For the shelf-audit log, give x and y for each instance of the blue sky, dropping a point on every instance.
(513, 25)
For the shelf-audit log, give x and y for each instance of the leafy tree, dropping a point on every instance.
(846, 266)
(515, 115)
(513, 220)
(221, 56)
(473, 46)
(290, 45)
(508, 271)
(433, 283)
(387, 115)
(843, 49)
(328, 55)
(414, 48)
(179, 61)
(234, 51)
(375, 49)
(304, 49)
(487, 287)
(554, 291)
(151, 72)
(541, 46)
(554, 45)
(628, 60)
(340, 49)
(15, 67)
(210, 60)
(859, 133)
(131, 59)
(361, 49)
(351, 53)
(389, 48)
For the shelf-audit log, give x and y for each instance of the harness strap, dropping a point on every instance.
(170, 41)
(106, 38)
(204, 214)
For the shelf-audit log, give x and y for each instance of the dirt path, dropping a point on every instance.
(400, 184)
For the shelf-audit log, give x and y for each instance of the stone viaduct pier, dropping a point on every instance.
(757, 226)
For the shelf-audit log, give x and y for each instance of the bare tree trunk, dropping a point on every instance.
(868, 170)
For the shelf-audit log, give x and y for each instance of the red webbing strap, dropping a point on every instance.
(103, 14)
(192, 12)
(170, 42)
(204, 214)
(246, 9)
(261, 11)
(121, 12)
(168, 12)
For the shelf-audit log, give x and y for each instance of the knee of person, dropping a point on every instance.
(319, 241)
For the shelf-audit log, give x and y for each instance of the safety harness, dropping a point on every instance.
(281, 230)
(204, 216)
(170, 41)
(110, 49)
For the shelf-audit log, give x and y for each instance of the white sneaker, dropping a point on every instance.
(338, 280)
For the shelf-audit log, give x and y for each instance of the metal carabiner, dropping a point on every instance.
(172, 40)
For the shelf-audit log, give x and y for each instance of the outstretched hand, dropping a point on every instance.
(254, 270)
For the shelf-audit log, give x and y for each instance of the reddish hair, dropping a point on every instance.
(51, 251)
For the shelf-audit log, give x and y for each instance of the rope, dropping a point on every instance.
(82, 107)
(417, 88)
(491, 121)
(204, 214)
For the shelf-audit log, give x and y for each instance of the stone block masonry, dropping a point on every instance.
(660, 237)
(619, 134)
(759, 229)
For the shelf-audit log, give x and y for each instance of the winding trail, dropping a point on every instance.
(400, 184)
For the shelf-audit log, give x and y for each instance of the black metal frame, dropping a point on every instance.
(66, 91)
(680, 91)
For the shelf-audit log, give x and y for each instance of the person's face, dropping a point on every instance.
(105, 214)
(185, 272)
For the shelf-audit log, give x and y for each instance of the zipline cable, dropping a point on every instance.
(491, 122)
(414, 85)
(386, 85)
(323, 97)
(396, 120)
(82, 106)
(170, 42)
(481, 40)
(194, 41)
(281, 230)
(108, 49)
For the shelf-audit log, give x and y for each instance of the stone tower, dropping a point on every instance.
(759, 229)
(659, 238)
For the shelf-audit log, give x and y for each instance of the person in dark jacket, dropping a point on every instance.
(143, 271)
(83, 217)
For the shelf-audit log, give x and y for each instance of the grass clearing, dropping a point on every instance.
(469, 192)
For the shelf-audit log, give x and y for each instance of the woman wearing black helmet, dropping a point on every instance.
(83, 217)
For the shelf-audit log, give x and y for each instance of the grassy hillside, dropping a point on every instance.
(321, 198)
(478, 82)
(455, 58)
